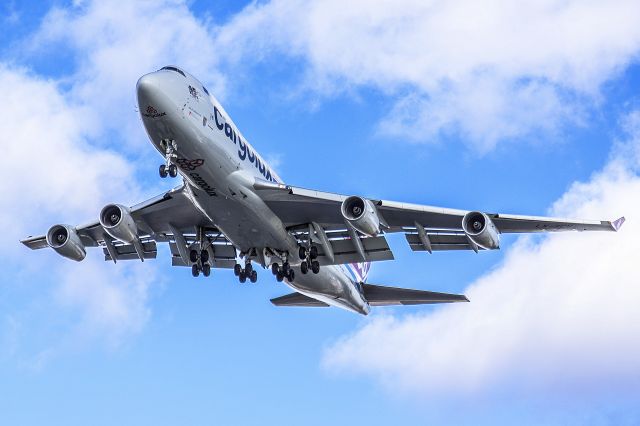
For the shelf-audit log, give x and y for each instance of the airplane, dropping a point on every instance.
(233, 210)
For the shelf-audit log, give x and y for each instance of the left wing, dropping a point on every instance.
(317, 215)
(171, 218)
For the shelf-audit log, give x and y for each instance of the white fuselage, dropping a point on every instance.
(221, 167)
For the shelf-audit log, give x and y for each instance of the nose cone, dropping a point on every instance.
(149, 87)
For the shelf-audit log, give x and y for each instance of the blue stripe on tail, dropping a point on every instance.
(359, 271)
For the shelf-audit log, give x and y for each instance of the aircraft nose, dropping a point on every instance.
(149, 87)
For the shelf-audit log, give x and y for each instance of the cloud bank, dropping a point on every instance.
(557, 317)
(488, 72)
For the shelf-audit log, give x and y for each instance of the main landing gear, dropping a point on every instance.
(200, 260)
(282, 272)
(309, 261)
(245, 273)
(169, 168)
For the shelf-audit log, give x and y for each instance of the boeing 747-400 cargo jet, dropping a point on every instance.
(231, 205)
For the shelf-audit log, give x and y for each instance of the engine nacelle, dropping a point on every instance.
(64, 239)
(362, 215)
(481, 230)
(118, 222)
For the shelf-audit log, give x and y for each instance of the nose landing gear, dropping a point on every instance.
(169, 168)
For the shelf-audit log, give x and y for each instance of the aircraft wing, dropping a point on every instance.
(170, 218)
(426, 228)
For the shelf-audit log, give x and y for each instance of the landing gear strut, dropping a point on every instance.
(169, 168)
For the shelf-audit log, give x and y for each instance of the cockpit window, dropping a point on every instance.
(205, 90)
(174, 69)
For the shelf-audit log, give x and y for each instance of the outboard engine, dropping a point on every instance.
(481, 230)
(117, 221)
(64, 239)
(362, 214)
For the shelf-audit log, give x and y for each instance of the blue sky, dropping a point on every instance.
(530, 109)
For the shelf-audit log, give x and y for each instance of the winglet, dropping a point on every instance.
(617, 224)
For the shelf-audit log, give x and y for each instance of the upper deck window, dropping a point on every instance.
(174, 69)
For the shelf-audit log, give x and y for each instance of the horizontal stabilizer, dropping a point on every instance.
(378, 295)
(297, 299)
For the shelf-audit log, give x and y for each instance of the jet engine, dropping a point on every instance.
(481, 230)
(362, 215)
(64, 239)
(118, 222)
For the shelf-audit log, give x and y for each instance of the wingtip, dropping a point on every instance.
(617, 224)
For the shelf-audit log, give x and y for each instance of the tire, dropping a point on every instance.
(275, 268)
(291, 275)
(206, 269)
(173, 170)
(315, 266)
(204, 256)
(313, 252)
(237, 269)
(248, 269)
(243, 278)
(193, 256)
(253, 277)
(195, 271)
(286, 268)
(304, 267)
(302, 253)
(163, 171)
(279, 276)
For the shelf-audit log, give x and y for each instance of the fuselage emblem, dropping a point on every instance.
(189, 165)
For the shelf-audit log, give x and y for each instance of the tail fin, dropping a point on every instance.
(378, 295)
(359, 271)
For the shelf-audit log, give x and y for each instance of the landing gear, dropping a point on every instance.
(206, 269)
(193, 256)
(245, 273)
(195, 270)
(169, 168)
(282, 272)
(308, 258)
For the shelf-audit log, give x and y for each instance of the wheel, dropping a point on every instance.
(195, 271)
(248, 269)
(304, 267)
(193, 256)
(237, 269)
(275, 268)
(163, 171)
(315, 266)
(286, 268)
(313, 252)
(302, 252)
(204, 256)
(291, 275)
(243, 278)
(206, 269)
(173, 170)
(254, 276)
(279, 276)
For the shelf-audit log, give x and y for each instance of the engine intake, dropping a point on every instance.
(362, 214)
(481, 230)
(64, 239)
(117, 221)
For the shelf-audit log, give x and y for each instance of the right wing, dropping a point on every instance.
(171, 218)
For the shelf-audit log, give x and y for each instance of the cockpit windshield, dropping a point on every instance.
(174, 69)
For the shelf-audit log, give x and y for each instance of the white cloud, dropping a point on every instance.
(488, 71)
(558, 316)
(114, 43)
